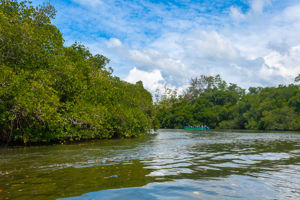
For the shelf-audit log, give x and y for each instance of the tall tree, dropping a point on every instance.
(49, 92)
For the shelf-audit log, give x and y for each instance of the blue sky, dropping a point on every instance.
(248, 42)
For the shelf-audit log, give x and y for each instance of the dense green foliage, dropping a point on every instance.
(211, 101)
(49, 92)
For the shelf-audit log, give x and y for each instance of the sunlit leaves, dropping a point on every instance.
(213, 102)
(49, 92)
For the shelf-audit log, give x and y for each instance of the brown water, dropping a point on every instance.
(172, 164)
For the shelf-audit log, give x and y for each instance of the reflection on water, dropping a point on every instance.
(172, 164)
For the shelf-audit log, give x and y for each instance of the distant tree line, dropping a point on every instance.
(210, 100)
(49, 92)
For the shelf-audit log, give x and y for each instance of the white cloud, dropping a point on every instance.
(152, 80)
(291, 14)
(236, 14)
(285, 66)
(257, 6)
(209, 46)
(254, 47)
(174, 71)
(113, 42)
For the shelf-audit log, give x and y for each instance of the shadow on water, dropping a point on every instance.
(173, 164)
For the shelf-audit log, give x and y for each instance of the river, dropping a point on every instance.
(170, 164)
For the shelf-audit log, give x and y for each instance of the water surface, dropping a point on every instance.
(172, 164)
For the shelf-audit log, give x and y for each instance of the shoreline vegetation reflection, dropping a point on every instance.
(196, 163)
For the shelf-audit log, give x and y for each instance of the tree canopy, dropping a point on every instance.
(210, 100)
(49, 92)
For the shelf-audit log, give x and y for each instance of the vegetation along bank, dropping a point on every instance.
(210, 100)
(50, 92)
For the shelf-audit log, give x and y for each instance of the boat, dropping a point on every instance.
(197, 128)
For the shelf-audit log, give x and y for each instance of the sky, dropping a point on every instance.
(248, 42)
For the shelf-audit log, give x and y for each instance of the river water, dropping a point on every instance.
(170, 164)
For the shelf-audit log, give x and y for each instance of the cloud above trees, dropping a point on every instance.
(250, 43)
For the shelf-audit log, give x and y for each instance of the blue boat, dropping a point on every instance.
(197, 128)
